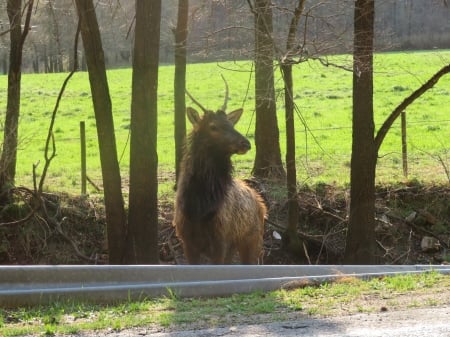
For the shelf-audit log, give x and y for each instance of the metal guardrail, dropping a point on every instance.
(35, 285)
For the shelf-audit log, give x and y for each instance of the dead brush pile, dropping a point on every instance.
(413, 227)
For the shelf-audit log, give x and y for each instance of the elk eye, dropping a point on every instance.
(213, 127)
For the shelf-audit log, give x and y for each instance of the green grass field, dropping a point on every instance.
(323, 96)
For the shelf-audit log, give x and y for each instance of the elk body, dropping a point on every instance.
(216, 214)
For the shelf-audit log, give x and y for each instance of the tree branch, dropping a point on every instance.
(50, 136)
(252, 9)
(21, 190)
(325, 62)
(293, 26)
(5, 32)
(406, 102)
(26, 26)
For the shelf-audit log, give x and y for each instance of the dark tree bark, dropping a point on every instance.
(114, 205)
(8, 157)
(291, 237)
(360, 245)
(142, 238)
(4, 63)
(268, 155)
(180, 32)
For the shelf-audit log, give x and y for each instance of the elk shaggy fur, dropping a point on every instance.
(216, 214)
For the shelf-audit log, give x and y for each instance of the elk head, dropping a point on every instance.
(216, 129)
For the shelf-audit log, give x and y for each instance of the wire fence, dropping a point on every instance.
(323, 156)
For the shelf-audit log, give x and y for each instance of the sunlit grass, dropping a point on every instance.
(345, 296)
(323, 96)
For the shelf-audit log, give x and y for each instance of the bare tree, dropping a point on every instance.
(294, 244)
(268, 162)
(360, 246)
(142, 236)
(114, 204)
(8, 157)
(180, 32)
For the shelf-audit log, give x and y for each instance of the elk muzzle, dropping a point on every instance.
(243, 146)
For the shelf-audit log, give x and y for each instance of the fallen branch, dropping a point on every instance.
(57, 226)
(420, 229)
(98, 189)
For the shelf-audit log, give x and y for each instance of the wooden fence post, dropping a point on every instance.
(83, 157)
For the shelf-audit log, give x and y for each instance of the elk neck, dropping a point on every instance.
(208, 175)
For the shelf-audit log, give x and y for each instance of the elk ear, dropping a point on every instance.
(193, 115)
(235, 115)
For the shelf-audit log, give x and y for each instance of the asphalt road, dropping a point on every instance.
(421, 322)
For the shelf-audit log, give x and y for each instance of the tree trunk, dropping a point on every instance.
(8, 157)
(292, 240)
(291, 237)
(180, 33)
(114, 205)
(142, 239)
(360, 245)
(4, 63)
(45, 58)
(268, 156)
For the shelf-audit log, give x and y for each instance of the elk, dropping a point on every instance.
(216, 214)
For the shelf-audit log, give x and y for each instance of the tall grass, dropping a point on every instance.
(323, 96)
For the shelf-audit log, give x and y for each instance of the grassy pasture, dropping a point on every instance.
(323, 96)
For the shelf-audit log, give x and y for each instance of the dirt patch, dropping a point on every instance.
(405, 216)
(411, 322)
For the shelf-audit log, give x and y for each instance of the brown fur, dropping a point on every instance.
(216, 214)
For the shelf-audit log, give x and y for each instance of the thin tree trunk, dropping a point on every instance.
(4, 63)
(360, 245)
(290, 148)
(8, 157)
(142, 238)
(180, 32)
(294, 243)
(114, 205)
(291, 238)
(58, 67)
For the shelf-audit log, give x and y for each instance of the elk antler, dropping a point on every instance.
(196, 102)
(224, 106)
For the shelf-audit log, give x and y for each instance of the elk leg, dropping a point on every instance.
(250, 251)
(229, 255)
(218, 258)
(219, 254)
(192, 253)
